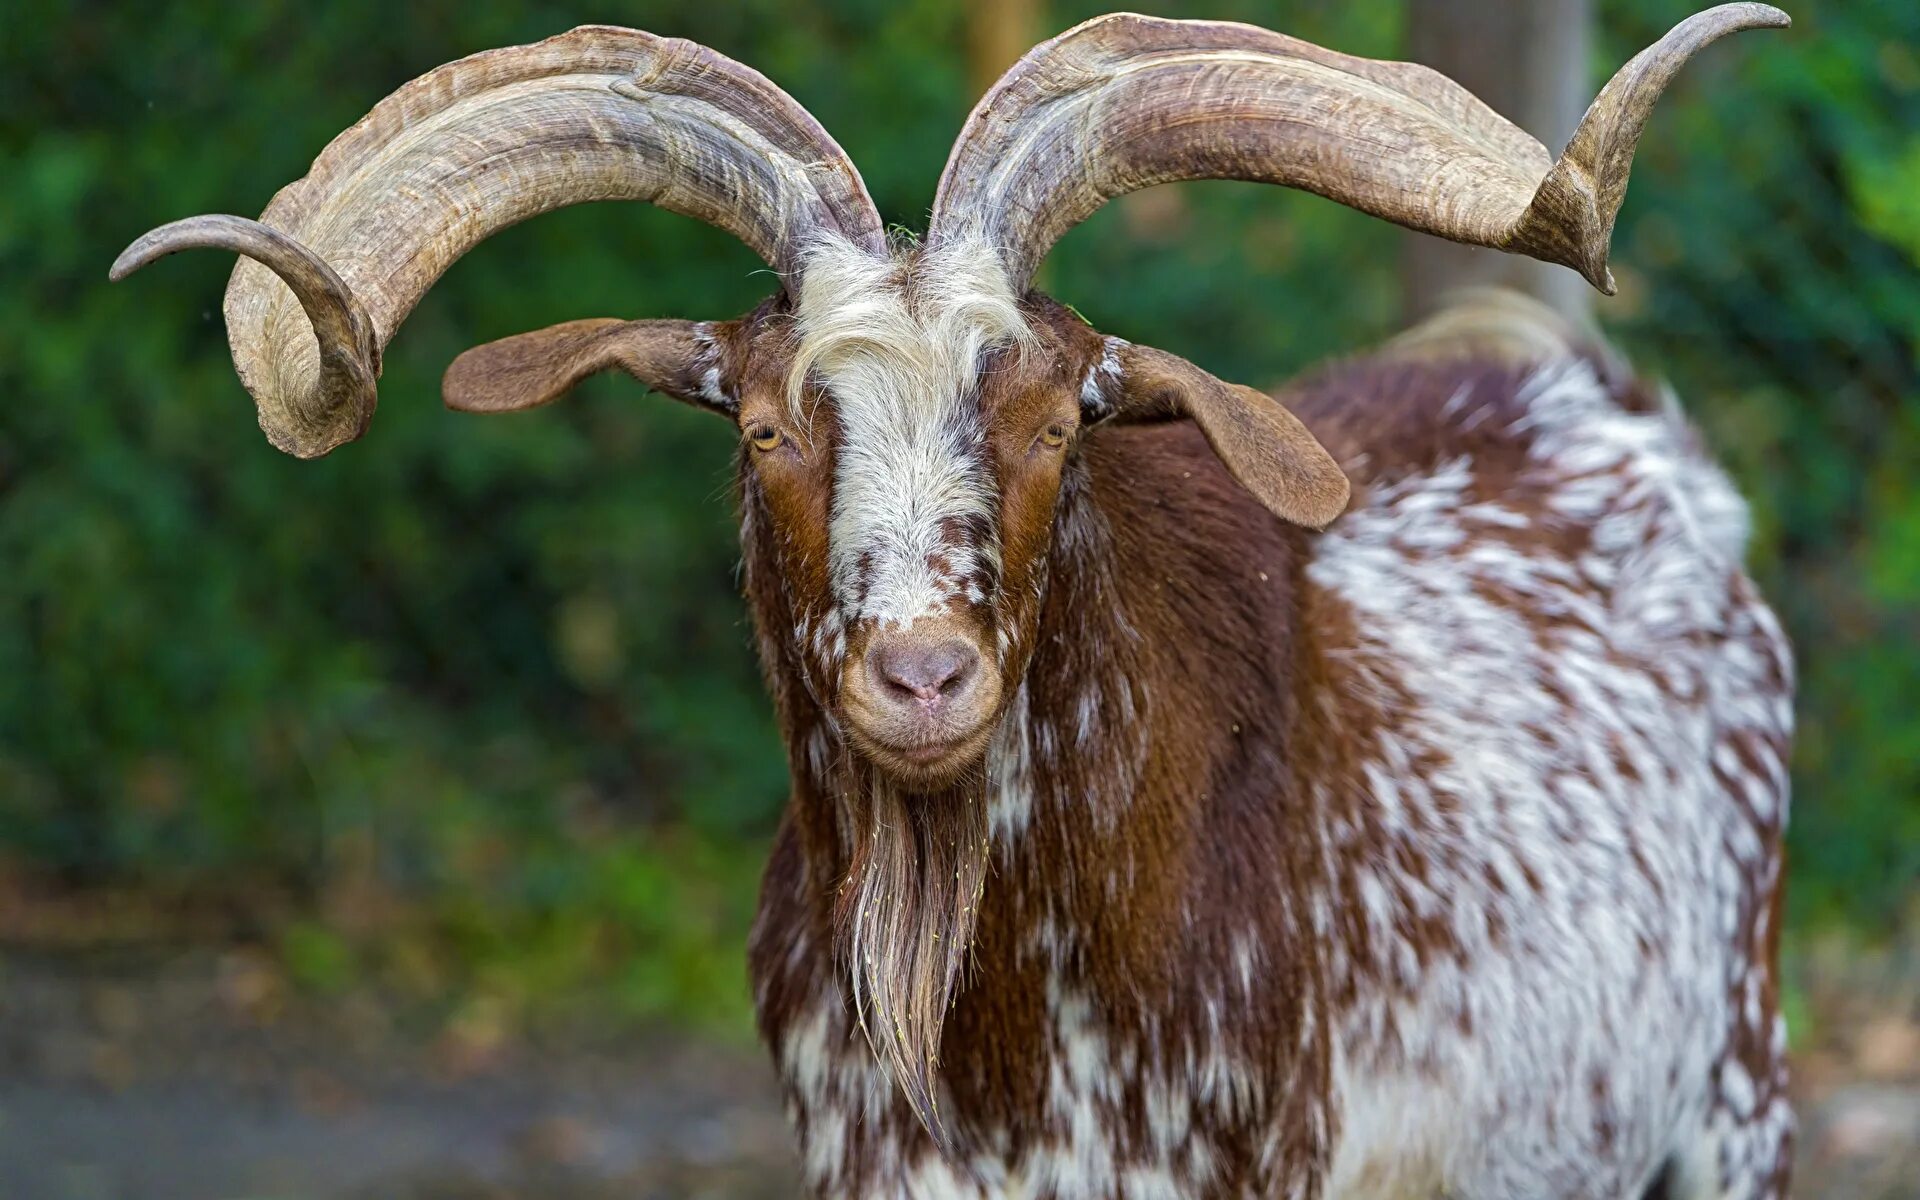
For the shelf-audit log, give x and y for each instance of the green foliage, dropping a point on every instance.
(476, 694)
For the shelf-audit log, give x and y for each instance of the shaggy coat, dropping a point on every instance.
(1434, 854)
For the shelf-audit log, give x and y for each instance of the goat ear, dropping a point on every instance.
(678, 358)
(1265, 447)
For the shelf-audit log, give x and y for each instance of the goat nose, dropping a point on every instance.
(910, 670)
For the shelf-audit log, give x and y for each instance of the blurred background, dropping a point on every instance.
(389, 825)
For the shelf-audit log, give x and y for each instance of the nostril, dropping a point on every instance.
(908, 670)
(952, 683)
(958, 670)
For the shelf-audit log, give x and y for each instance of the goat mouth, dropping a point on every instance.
(924, 755)
(926, 764)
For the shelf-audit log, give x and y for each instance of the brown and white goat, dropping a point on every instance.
(1154, 832)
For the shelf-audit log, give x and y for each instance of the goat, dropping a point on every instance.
(1157, 829)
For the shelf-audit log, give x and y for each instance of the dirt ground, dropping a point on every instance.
(198, 1076)
(194, 1076)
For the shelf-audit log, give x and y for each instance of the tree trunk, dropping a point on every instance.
(998, 33)
(1527, 59)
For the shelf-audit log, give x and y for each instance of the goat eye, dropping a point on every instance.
(764, 437)
(1054, 435)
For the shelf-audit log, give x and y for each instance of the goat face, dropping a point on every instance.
(906, 422)
(902, 455)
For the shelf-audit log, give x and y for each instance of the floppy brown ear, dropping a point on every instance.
(678, 358)
(1264, 446)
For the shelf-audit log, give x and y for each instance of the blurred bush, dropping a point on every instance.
(471, 704)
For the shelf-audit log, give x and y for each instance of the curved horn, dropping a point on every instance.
(1124, 102)
(339, 258)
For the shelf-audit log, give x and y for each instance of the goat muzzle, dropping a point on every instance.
(921, 698)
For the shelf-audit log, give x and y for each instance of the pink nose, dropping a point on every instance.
(914, 673)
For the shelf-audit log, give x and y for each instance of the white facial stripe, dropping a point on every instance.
(903, 486)
(899, 344)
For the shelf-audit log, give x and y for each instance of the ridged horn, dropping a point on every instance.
(1124, 102)
(340, 257)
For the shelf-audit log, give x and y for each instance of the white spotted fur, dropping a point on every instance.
(1508, 1111)
(1564, 1014)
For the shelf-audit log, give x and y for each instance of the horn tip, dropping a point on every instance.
(138, 254)
(208, 231)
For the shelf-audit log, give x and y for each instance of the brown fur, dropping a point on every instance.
(1182, 689)
(1185, 586)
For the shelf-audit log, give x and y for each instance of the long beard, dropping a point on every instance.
(905, 918)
